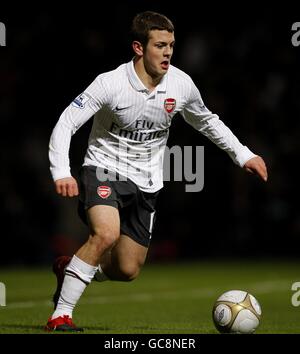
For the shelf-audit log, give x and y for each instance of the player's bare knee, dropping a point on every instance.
(129, 271)
(103, 238)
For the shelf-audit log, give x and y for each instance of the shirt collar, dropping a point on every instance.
(137, 83)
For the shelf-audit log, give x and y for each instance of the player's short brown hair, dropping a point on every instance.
(147, 21)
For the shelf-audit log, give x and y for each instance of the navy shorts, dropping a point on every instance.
(136, 208)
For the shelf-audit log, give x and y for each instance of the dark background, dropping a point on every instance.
(247, 70)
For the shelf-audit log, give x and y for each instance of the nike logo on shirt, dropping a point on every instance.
(120, 108)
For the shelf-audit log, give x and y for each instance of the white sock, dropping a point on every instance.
(100, 275)
(78, 275)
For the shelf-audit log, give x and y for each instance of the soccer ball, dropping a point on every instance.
(236, 311)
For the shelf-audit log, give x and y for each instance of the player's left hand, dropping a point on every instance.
(257, 166)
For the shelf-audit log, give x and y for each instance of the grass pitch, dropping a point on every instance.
(165, 299)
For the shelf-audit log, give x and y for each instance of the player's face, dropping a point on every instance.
(157, 55)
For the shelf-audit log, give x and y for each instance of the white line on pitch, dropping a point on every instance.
(258, 288)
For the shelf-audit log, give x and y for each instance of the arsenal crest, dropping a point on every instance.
(104, 191)
(170, 104)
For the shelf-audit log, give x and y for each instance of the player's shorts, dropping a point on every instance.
(136, 208)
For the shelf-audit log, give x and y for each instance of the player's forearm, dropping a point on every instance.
(69, 122)
(59, 151)
(224, 138)
(209, 124)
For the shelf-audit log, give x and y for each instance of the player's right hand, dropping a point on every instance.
(67, 187)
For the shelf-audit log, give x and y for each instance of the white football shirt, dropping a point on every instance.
(131, 125)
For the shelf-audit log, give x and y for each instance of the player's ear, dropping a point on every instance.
(137, 48)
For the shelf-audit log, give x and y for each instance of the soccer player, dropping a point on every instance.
(122, 172)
